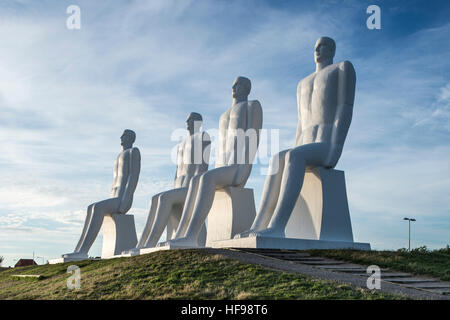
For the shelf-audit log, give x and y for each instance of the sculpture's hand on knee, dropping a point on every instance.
(333, 156)
(124, 207)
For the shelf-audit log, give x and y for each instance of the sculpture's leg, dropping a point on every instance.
(188, 207)
(87, 222)
(291, 186)
(209, 182)
(149, 223)
(99, 210)
(269, 196)
(174, 221)
(296, 161)
(166, 201)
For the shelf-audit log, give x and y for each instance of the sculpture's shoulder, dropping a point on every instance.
(134, 153)
(225, 115)
(347, 67)
(255, 114)
(254, 106)
(309, 77)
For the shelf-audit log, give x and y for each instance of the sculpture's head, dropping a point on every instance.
(324, 49)
(241, 88)
(194, 121)
(127, 139)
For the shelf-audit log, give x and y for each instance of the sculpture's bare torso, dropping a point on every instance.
(317, 102)
(230, 121)
(121, 171)
(188, 157)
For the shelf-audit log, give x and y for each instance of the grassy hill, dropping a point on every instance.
(176, 274)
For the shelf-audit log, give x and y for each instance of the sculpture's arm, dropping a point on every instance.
(133, 177)
(298, 135)
(254, 122)
(206, 150)
(221, 150)
(176, 167)
(346, 98)
(177, 179)
(115, 176)
(344, 110)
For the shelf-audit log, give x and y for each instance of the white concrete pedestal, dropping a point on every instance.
(63, 260)
(321, 211)
(288, 244)
(119, 234)
(232, 212)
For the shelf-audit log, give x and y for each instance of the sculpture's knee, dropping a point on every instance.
(155, 198)
(275, 160)
(165, 197)
(99, 207)
(207, 178)
(95, 208)
(294, 156)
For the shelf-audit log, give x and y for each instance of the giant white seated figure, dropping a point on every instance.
(126, 174)
(192, 159)
(239, 130)
(325, 106)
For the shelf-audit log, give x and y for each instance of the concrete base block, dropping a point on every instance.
(151, 250)
(119, 234)
(321, 211)
(288, 243)
(63, 260)
(170, 246)
(232, 212)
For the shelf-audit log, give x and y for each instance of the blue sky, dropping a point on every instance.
(66, 96)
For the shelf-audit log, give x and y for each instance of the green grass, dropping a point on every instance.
(420, 261)
(175, 274)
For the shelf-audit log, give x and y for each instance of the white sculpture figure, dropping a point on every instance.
(192, 159)
(325, 106)
(239, 129)
(126, 174)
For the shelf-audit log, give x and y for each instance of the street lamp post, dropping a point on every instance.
(409, 231)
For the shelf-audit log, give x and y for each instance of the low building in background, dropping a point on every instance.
(25, 262)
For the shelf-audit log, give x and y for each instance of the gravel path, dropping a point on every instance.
(321, 269)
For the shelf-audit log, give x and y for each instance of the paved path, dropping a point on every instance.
(296, 261)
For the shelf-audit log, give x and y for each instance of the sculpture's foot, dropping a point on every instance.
(163, 244)
(269, 232)
(133, 252)
(76, 255)
(244, 234)
(183, 243)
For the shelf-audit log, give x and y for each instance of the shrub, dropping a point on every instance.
(445, 250)
(422, 249)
